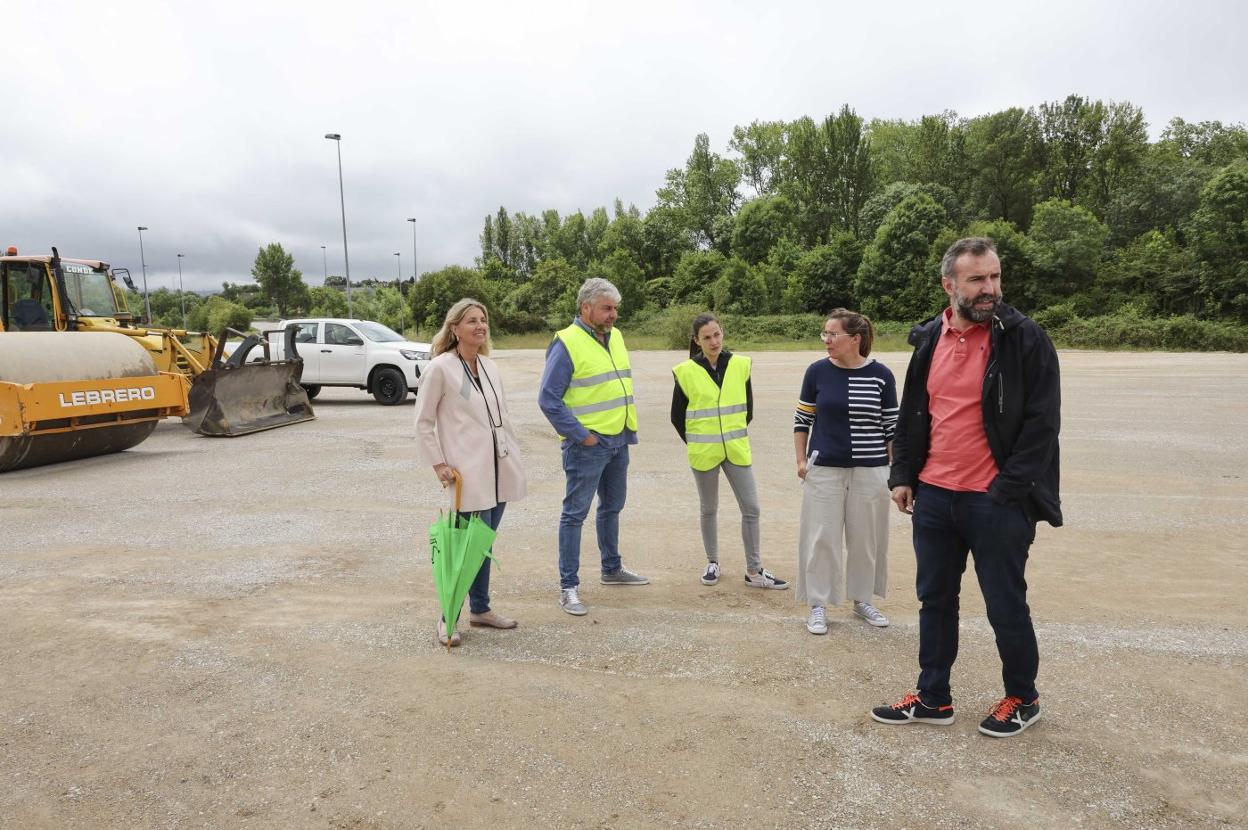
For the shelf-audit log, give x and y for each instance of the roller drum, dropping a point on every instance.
(47, 357)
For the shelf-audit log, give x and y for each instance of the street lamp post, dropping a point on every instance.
(414, 271)
(324, 266)
(342, 199)
(398, 269)
(147, 305)
(181, 294)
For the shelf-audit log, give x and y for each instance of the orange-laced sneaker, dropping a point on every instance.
(912, 709)
(1010, 716)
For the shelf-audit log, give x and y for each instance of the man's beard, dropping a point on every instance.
(968, 311)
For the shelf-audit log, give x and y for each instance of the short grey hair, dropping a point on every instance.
(594, 289)
(973, 245)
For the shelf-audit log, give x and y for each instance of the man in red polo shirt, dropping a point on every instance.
(975, 461)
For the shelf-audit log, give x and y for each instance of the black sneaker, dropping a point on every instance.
(912, 709)
(765, 579)
(1010, 716)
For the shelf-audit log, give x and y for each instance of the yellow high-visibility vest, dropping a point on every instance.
(601, 392)
(715, 427)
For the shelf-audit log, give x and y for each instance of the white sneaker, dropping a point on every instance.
(871, 614)
(569, 601)
(711, 576)
(624, 577)
(817, 622)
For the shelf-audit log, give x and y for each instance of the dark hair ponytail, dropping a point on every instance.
(698, 322)
(855, 323)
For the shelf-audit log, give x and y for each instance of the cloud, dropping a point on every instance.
(205, 122)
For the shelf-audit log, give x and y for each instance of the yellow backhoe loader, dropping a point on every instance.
(228, 395)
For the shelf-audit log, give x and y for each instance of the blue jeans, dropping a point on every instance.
(947, 525)
(591, 470)
(479, 591)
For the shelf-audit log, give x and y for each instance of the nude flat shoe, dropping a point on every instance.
(442, 634)
(491, 620)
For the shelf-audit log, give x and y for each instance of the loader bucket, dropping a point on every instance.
(235, 397)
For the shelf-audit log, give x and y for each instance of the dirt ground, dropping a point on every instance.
(239, 633)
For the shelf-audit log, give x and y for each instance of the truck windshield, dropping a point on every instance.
(89, 290)
(378, 333)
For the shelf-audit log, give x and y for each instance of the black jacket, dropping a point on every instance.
(1022, 400)
(680, 402)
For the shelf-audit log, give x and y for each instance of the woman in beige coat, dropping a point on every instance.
(462, 425)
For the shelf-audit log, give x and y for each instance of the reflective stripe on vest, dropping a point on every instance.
(715, 427)
(600, 394)
(603, 378)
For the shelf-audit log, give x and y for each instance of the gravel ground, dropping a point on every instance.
(239, 633)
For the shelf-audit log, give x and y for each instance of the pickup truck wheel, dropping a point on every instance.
(389, 386)
(312, 389)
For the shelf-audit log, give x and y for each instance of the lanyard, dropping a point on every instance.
(477, 383)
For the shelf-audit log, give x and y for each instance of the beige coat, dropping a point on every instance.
(452, 427)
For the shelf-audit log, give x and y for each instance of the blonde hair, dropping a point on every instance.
(445, 339)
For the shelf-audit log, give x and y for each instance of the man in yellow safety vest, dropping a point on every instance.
(587, 395)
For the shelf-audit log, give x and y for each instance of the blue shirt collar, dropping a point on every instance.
(578, 321)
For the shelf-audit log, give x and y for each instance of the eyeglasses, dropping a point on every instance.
(825, 336)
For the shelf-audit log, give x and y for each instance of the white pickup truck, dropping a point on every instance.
(356, 353)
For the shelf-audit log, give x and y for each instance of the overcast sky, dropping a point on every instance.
(205, 121)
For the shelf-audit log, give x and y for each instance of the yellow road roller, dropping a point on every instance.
(71, 395)
(43, 293)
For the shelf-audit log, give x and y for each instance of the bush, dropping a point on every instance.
(218, 313)
(437, 291)
(1066, 244)
(551, 290)
(1128, 329)
(773, 327)
(738, 289)
(1055, 316)
(823, 279)
(519, 322)
(325, 301)
(896, 278)
(695, 274)
(659, 291)
(673, 324)
(891, 336)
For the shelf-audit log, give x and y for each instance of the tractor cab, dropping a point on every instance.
(89, 290)
(48, 293)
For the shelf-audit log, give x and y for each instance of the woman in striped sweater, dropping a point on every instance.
(842, 435)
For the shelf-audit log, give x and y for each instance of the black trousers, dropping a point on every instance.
(947, 525)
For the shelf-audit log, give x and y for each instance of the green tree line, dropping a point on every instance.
(1091, 218)
(279, 291)
(1100, 230)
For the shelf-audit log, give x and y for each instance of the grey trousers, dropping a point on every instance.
(843, 529)
(742, 481)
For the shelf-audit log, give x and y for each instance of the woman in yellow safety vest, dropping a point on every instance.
(711, 407)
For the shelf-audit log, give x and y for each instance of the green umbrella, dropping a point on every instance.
(459, 548)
